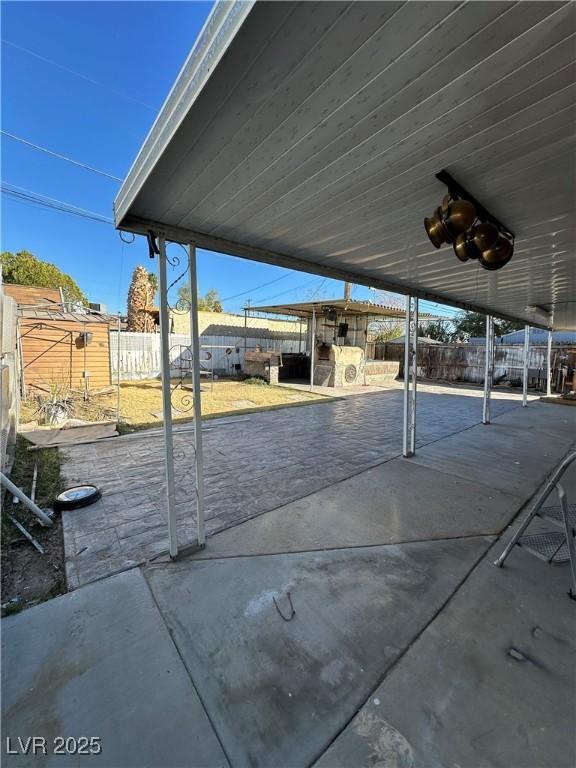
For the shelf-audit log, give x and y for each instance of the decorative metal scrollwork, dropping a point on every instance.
(182, 304)
(180, 354)
(181, 361)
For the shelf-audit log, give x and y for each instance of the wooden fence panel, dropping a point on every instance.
(465, 362)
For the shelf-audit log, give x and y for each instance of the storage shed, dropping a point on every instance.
(63, 348)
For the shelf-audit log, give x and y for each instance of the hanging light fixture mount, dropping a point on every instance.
(469, 227)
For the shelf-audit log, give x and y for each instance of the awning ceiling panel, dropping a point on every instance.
(309, 135)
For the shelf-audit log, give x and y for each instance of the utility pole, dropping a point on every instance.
(347, 287)
(246, 310)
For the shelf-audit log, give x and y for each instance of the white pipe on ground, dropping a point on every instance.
(34, 508)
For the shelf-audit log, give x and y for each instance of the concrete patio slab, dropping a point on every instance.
(471, 455)
(252, 465)
(278, 690)
(493, 675)
(100, 662)
(468, 484)
(395, 502)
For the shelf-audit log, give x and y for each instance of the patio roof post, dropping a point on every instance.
(525, 366)
(414, 378)
(410, 369)
(488, 369)
(118, 368)
(196, 392)
(549, 365)
(312, 346)
(245, 332)
(166, 403)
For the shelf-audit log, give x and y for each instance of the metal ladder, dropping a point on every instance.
(552, 546)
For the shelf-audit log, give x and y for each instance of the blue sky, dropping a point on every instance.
(114, 65)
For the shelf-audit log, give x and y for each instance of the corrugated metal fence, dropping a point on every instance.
(9, 375)
(139, 353)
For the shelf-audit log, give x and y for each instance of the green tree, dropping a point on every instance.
(23, 268)
(388, 333)
(468, 324)
(210, 302)
(153, 280)
(436, 330)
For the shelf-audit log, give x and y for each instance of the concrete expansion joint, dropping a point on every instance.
(187, 669)
(403, 653)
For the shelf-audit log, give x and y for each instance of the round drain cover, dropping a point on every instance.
(76, 497)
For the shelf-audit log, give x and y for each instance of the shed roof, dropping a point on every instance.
(348, 307)
(58, 314)
(308, 135)
(32, 294)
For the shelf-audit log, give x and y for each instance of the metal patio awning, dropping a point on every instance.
(308, 135)
(343, 306)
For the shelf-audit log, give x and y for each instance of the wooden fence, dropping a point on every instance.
(465, 362)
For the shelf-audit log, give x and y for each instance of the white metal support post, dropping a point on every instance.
(118, 369)
(312, 346)
(166, 404)
(195, 347)
(406, 405)
(413, 392)
(245, 333)
(525, 366)
(488, 369)
(410, 376)
(549, 366)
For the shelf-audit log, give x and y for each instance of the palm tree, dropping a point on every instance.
(141, 300)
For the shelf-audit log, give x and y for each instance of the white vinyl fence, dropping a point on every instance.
(9, 375)
(139, 353)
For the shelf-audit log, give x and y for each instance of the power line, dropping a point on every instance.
(290, 290)
(26, 196)
(59, 156)
(78, 74)
(257, 288)
(319, 287)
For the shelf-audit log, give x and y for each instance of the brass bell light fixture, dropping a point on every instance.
(459, 215)
(498, 255)
(465, 248)
(436, 230)
(475, 234)
(485, 236)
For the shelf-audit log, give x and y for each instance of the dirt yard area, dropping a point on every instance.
(141, 401)
(29, 577)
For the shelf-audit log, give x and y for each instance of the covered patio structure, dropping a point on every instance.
(317, 136)
(362, 623)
